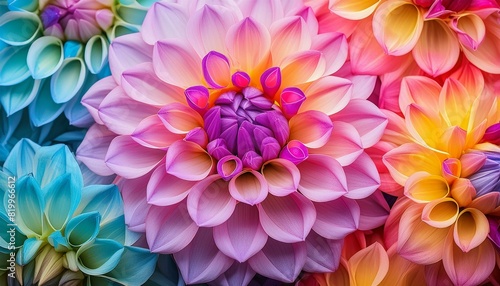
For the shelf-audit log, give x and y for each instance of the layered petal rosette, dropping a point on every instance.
(446, 157)
(235, 149)
(52, 51)
(56, 231)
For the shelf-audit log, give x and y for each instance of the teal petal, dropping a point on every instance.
(30, 205)
(16, 97)
(43, 109)
(166, 273)
(100, 281)
(29, 250)
(68, 80)
(72, 49)
(96, 53)
(131, 14)
(26, 5)
(115, 230)
(20, 161)
(54, 161)
(83, 229)
(105, 199)
(121, 29)
(19, 28)
(61, 200)
(100, 257)
(13, 67)
(59, 242)
(135, 267)
(146, 3)
(45, 57)
(10, 237)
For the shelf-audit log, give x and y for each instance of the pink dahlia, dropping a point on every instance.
(235, 148)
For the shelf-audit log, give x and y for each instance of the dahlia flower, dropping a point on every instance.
(445, 153)
(52, 51)
(235, 148)
(58, 232)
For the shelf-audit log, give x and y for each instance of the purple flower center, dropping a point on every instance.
(245, 125)
(51, 15)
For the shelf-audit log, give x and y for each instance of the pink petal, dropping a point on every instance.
(135, 206)
(208, 27)
(422, 91)
(164, 21)
(363, 86)
(470, 30)
(289, 35)
(141, 83)
(366, 118)
(201, 261)
(179, 118)
(248, 187)
(287, 219)
(176, 63)
(237, 274)
(131, 160)
(185, 155)
(130, 47)
(241, 236)
(209, 202)
(374, 211)
(436, 57)
(362, 177)
(329, 95)
(170, 228)
(121, 114)
(322, 178)
(312, 65)
(487, 55)
(344, 144)
(282, 177)
(334, 47)
(280, 261)
(263, 11)
(94, 147)
(164, 189)
(313, 128)
(458, 263)
(96, 94)
(151, 133)
(323, 255)
(240, 41)
(336, 219)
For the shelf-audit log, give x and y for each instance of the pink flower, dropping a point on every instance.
(236, 150)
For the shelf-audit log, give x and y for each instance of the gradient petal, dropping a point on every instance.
(185, 155)
(362, 177)
(133, 48)
(96, 94)
(94, 147)
(422, 91)
(471, 229)
(329, 95)
(164, 21)
(152, 133)
(423, 187)
(164, 189)
(289, 35)
(282, 177)
(323, 255)
(353, 10)
(361, 265)
(312, 128)
(336, 219)
(440, 213)
(249, 187)
(334, 47)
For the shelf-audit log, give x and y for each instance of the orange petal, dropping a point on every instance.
(425, 129)
(452, 167)
(440, 213)
(402, 271)
(369, 266)
(463, 191)
(456, 135)
(423, 187)
(471, 229)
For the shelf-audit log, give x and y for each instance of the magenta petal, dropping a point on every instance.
(229, 166)
(271, 81)
(248, 187)
(129, 159)
(494, 233)
(245, 141)
(241, 236)
(362, 177)
(170, 228)
(198, 136)
(151, 133)
(291, 99)
(218, 149)
(287, 219)
(185, 155)
(295, 152)
(269, 147)
(492, 134)
(95, 95)
(280, 261)
(135, 206)
(336, 219)
(94, 147)
(240, 79)
(209, 202)
(252, 160)
(216, 69)
(323, 255)
(201, 261)
(237, 274)
(197, 98)
(164, 189)
(213, 123)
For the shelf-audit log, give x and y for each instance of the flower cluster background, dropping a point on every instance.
(249, 142)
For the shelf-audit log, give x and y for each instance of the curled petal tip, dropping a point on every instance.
(291, 99)
(271, 81)
(229, 166)
(295, 152)
(240, 79)
(197, 98)
(216, 69)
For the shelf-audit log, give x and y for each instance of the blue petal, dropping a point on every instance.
(13, 67)
(45, 56)
(16, 97)
(61, 200)
(72, 49)
(68, 80)
(28, 5)
(19, 28)
(100, 257)
(166, 273)
(131, 14)
(59, 242)
(114, 230)
(29, 250)
(105, 199)
(30, 205)
(54, 161)
(9, 231)
(83, 229)
(20, 161)
(96, 53)
(43, 109)
(135, 267)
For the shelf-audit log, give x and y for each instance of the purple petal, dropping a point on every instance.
(295, 151)
(218, 149)
(269, 148)
(492, 134)
(252, 160)
(198, 136)
(216, 69)
(51, 15)
(279, 126)
(271, 81)
(226, 98)
(197, 98)
(229, 166)
(212, 123)
(336, 219)
(494, 234)
(291, 99)
(230, 136)
(323, 255)
(256, 97)
(240, 79)
(245, 142)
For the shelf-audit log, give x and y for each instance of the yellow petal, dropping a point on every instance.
(455, 102)
(423, 187)
(426, 130)
(353, 9)
(369, 266)
(402, 271)
(440, 213)
(471, 229)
